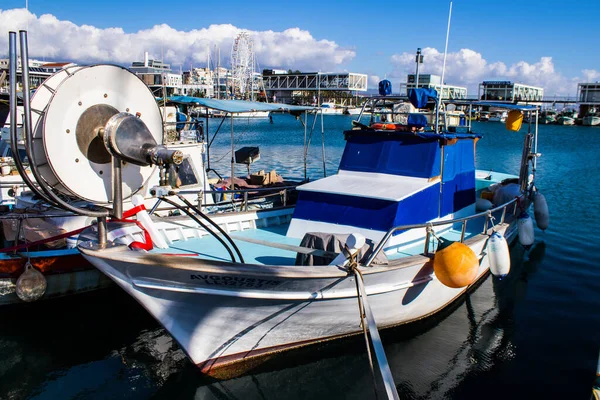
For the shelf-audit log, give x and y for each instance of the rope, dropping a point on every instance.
(366, 315)
(353, 267)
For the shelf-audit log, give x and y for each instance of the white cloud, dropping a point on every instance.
(373, 81)
(57, 40)
(468, 68)
(590, 75)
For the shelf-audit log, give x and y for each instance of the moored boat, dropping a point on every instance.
(406, 223)
(34, 233)
(592, 118)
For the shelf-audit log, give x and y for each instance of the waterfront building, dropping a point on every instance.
(510, 92)
(198, 82)
(310, 87)
(430, 81)
(158, 76)
(588, 95)
(39, 71)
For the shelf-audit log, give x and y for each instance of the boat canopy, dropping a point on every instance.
(236, 106)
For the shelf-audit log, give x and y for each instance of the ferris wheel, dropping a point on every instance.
(242, 64)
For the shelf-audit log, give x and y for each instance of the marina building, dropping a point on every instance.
(39, 71)
(430, 81)
(158, 76)
(510, 92)
(588, 95)
(310, 87)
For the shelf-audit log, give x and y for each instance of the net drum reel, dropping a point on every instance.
(70, 112)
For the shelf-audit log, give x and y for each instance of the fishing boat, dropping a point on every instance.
(566, 117)
(406, 227)
(548, 116)
(591, 118)
(36, 235)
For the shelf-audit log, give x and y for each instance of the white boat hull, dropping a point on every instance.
(226, 316)
(591, 121)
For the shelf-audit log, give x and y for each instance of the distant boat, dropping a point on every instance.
(548, 117)
(566, 117)
(331, 109)
(592, 118)
(484, 116)
(499, 116)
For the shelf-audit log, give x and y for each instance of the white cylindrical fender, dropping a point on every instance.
(146, 221)
(499, 255)
(525, 227)
(540, 211)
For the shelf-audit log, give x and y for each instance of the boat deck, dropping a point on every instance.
(270, 245)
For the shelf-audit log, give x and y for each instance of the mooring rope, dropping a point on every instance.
(366, 315)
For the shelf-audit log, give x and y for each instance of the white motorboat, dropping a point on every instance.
(592, 118)
(498, 116)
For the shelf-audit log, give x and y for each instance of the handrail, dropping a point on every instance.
(486, 213)
(261, 189)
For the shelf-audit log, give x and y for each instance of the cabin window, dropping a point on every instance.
(187, 173)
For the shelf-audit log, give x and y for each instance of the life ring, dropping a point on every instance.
(385, 127)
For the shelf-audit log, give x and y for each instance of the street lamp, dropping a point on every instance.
(418, 60)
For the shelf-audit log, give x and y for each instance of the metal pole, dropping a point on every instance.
(305, 147)
(232, 156)
(117, 189)
(437, 113)
(419, 60)
(323, 146)
(102, 234)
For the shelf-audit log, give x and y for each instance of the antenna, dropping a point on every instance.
(437, 116)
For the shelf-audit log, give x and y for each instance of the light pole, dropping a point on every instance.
(418, 60)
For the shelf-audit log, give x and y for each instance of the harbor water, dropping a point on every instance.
(534, 334)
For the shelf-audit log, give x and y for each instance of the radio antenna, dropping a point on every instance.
(443, 69)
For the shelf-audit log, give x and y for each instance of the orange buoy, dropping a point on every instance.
(455, 265)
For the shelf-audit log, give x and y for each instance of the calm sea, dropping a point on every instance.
(531, 335)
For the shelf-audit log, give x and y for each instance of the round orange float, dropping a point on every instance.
(455, 265)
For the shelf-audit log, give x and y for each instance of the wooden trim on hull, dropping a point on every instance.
(235, 365)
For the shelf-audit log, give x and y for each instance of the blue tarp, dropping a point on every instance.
(416, 120)
(236, 106)
(420, 97)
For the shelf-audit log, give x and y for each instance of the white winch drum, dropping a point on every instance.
(67, 111)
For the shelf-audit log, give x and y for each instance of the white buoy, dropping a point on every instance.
(525, 227)
(31, 285)
(146, 221)
(540, 211)
(499, 255)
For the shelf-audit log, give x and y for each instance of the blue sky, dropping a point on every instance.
(513, 38)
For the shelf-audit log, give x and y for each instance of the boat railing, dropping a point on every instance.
(487, 214)
(243, 195)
